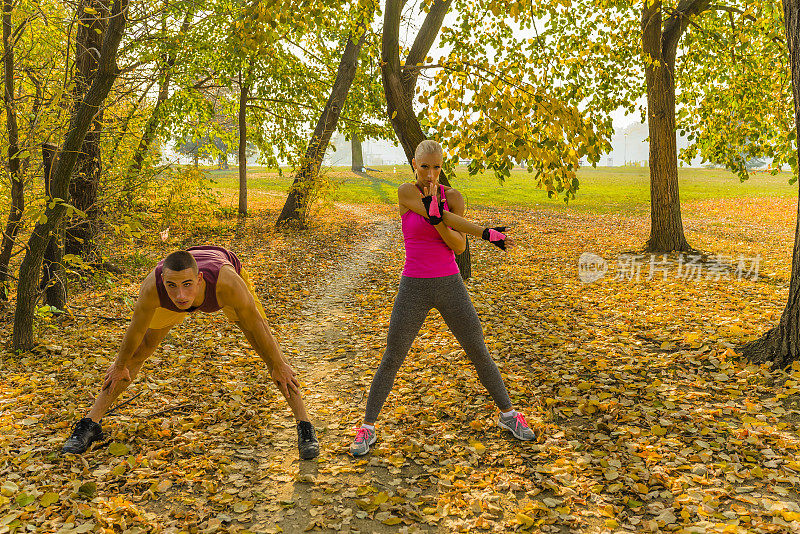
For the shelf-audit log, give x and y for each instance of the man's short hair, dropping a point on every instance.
(180, 260)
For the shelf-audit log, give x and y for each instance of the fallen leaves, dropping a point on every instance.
(648, 420)
(118, 449)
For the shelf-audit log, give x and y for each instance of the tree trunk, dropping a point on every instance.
(666, 226)
(54, 280)
(85, 183)
(660, 49)
(297, 202)
(399, 85)
(357, 159)
(14, 164)
(243, 94)
(781, 344)
(399, 89)
(28, 287)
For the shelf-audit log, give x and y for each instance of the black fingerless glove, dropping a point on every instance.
(434, 210)
(495, 236)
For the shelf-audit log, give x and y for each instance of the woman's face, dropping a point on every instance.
(427, 168)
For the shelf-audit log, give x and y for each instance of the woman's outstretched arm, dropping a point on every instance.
(410, 198)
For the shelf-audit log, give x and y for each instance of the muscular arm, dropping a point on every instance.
(232, 291)
(143, 312)
(453, 225)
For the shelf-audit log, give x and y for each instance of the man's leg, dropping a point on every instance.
(107, 396)
(307, 443)
(295, 401)
(88, 430)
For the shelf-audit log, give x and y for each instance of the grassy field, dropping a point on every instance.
(603, 190)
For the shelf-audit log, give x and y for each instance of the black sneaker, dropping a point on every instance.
(84, 433)
(307, 442)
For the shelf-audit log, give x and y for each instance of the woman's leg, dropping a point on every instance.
(454, 304)
(410, 308)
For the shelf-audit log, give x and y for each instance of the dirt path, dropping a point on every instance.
(338, 492)
(325, 314)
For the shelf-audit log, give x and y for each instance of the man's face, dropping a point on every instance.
(182, 286)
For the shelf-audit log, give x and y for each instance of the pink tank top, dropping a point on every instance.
(427, 255)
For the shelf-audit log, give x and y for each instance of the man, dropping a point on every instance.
(205, 279)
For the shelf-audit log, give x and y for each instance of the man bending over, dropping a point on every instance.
(205, 279)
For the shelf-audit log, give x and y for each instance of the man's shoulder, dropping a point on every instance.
(148, 292)
(230, 286)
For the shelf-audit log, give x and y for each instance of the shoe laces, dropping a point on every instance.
(520, 419)
(83, 424)
(362, 434)
(306, 432)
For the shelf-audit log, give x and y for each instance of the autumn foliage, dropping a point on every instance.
(648, 420)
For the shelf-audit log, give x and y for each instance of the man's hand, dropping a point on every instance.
(116, 373)
(284, 377)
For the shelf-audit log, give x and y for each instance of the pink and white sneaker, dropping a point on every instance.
(364, 438)
(517, 425)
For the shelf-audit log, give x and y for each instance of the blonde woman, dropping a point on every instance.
(434, 231)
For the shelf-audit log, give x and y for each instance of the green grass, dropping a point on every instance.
(604, 189)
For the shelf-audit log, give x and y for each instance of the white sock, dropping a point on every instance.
(371, 428)
(509, 414)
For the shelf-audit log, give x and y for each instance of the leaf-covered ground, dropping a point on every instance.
(648, 421)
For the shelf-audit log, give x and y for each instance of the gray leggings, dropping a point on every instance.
(415, 298)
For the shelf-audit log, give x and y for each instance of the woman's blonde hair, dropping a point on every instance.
(428, 146)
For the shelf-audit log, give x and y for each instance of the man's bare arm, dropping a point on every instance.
(143, 313)
(232, 292)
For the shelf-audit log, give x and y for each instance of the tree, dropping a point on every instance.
(258, 76)
(165, 69)
(660, 46)
(491, 100)
(781, 344)
(82, 119)
(31, 83)
(14, 163)
(84, 185)
(356, 153)
(744, 116)
(54, 283)
(296, 203)
(574, 59)
(244, 93)
(400, 83)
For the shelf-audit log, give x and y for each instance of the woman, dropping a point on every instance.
(433, 231)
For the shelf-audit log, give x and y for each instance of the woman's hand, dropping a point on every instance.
(434, 206)
(497, 237)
